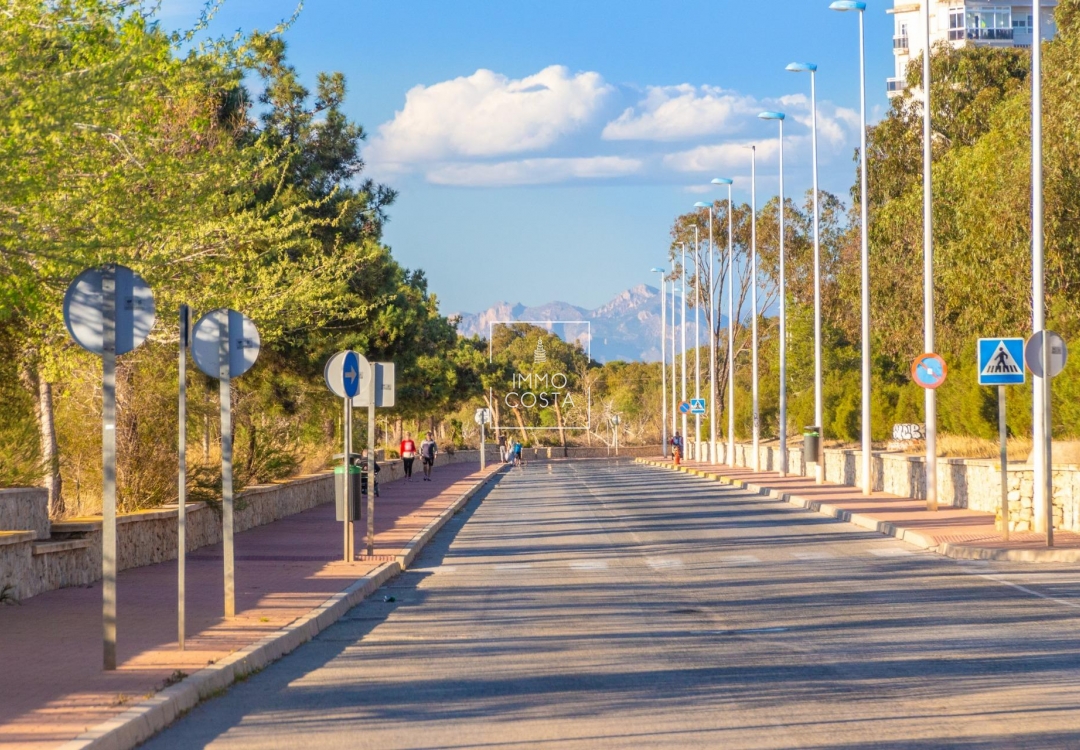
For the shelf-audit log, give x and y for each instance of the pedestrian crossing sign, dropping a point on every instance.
(697, 406)
(1001, 362)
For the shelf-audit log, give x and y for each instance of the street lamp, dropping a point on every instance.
(928, 276)
(779, 117)
(683, 332)
(663, 360)
(697, 340)
(867, 446)
(754, 306)
(674, 357)
(1044, 475)
(731, 320)
(712, 336)
(819, 409)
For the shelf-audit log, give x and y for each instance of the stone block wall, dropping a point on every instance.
(25, 509)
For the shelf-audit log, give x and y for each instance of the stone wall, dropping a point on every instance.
(25, 509)
(964, 483)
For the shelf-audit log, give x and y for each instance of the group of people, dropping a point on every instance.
(510, 453)
(428, 451)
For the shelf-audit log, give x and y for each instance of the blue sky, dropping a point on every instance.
(542, 149)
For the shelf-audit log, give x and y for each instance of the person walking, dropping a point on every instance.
(428, 451)
(502, 448)
(408, 455)
(677, 447)
(517, 454)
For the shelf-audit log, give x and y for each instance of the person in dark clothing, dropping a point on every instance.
(428, 451)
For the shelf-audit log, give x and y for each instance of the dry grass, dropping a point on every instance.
(963, 446)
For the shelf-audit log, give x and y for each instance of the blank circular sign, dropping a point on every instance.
(84, 309)
(228, 329)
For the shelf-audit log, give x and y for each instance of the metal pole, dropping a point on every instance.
(713, 326)
(674, 358)
(928, 274)
(819, 408)
(371, 464)
(663, 364)
(731, 331)
(867, 445)
(1003, 436)
(682, 305)
(108, 455)
(1044, 482)
(225, 396)
(754, 305)
(483, 456)
(181, 508)
(783, 322)
(697, 341)
(346, 439)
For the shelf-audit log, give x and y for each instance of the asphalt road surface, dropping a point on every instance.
(607, 605)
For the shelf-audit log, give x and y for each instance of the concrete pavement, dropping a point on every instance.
(606, 604)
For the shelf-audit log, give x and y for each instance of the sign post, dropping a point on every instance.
(346, 374)
(181, 508)
(615, 422)
(1000, 365)
(483, 418)
(225, 345)
(929, 372)
(1047, 362)
(108, 311)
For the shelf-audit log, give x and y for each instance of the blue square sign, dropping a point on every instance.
(1001, 362)
(697, 406)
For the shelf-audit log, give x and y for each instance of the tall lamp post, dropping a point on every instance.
(663, 360)
(779, 117)
(754, 306)
(674, 357)
(867, 446)
(1044, 475)
(730, 320)
(697, 340)
(819, 409)
(682, 306)
(712, 335)
(928, 275)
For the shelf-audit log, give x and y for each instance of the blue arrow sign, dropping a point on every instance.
(350, 374)
(1001, 362)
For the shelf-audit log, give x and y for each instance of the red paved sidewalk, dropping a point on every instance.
(957, 532)
(52, 686)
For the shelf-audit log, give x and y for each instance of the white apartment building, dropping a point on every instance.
(982, 23)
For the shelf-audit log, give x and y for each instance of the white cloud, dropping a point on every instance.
(487, 114)
(724, 158)
(675, 113)
(533, 171)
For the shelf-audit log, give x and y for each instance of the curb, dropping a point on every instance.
(145, 719)
(887, 528)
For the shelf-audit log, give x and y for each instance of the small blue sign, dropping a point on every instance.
(684, 407)
(1001, 362)
(697, 406)
(350, 374)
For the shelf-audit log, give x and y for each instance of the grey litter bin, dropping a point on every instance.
(355, 486)
(812, 445)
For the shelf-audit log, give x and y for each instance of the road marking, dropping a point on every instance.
(740, 560)
(436, 569)
(891, 552)
(1026, 590)
(813, 555)
(589, 565)
(663, 563)
(513, 566)
(749, 631)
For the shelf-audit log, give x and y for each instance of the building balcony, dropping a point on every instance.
(900, 44)
(895, 85)
(981, 35)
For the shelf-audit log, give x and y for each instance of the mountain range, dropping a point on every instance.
(626, 328)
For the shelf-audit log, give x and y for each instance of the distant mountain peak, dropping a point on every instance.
(625, 328)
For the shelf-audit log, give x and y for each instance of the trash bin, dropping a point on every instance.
(812, 445)
(355, 486)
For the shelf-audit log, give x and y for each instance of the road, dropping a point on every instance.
(608, 605)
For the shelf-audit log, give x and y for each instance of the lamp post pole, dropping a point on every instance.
(928, 274)
(731, 327)
(712, 343)
(683, 335)
(674, 358)
(754, 306)
(779, 117)
(819, 410)
(663, 361)
(867, 446)
(697, 340)
(1044, 476)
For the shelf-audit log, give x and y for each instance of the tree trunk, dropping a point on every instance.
(46, 420)
(521, 426)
